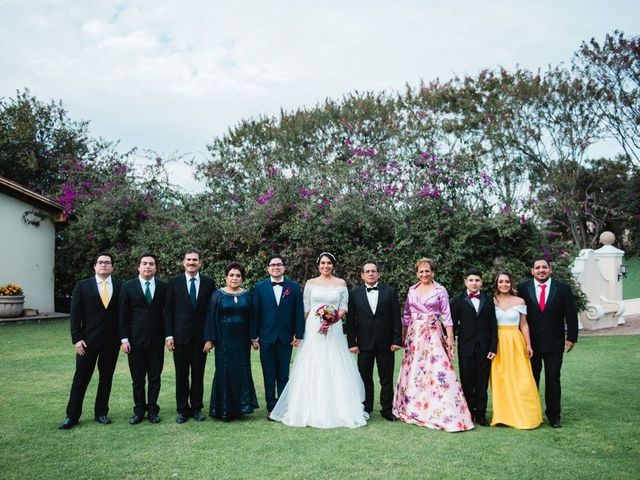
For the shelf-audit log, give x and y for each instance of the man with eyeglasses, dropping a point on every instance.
(277, 328)
(374, 332)
(94, 333)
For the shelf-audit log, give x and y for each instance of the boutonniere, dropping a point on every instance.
(286, 292)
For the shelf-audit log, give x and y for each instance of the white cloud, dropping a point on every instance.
(170, 75)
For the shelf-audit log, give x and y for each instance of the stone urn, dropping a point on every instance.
(11, 306)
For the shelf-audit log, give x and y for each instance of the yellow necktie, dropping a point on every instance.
(104, 294)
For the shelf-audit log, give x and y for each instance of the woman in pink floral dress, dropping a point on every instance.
(428, 392)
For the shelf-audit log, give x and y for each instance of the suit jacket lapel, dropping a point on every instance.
(365, 298)
(483, 300)
(553, 289)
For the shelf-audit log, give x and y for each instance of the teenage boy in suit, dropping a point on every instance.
(474, 322)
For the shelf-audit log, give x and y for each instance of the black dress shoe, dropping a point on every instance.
(67, 423)
(389, 416)
(154, 418)
(135, 420)
(181, 418)
(103, 419)
(482, 420)
(198, 416)
(555, 424)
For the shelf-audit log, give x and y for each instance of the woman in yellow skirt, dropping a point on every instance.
(515, 398)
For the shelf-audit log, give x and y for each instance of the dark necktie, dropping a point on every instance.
(147, 292)
(370, 289)
(273, 284)
(473, 295)
(192, 291)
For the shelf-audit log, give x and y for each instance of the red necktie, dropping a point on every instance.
(542, 301)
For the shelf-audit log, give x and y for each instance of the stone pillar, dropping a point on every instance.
(597, 272)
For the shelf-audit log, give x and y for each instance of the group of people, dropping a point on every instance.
(503, 340)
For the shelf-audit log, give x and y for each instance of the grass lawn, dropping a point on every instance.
(631, 283)
(599, 439)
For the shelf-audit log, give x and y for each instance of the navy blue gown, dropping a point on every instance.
(228, 326)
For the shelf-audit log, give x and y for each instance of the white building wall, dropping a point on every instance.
(27, 254)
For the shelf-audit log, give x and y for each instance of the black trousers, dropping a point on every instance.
(552, 391)
(189, 359)
(275, 359)
(474, 378)
(384, 359)
(106, 358)
(145, 365)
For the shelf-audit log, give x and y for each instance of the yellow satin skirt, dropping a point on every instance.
(515, 398)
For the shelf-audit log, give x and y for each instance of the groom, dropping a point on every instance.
(278, 326)
(374, 332)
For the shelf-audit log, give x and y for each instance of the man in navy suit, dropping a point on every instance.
(374, 332)
(142, 336)
(94, 333)
(553, 326)
(185, 311)
(474, 323)
(278, 326)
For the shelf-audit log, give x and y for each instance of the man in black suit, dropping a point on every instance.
(142, 336)
(374, 332)
(185, 311)
(550, 309)
(94, 333)
(474, 322)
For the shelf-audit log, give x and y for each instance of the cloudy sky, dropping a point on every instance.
(170, 76)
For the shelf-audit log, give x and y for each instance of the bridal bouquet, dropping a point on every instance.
(328, 316)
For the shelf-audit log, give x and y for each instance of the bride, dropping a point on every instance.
(325, 389)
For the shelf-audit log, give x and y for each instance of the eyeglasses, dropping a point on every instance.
(276, 264)
(103, 262)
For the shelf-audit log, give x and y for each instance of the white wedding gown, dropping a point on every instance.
(324, 389)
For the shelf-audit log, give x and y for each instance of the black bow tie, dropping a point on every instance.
(273, 284)
(369, 289)
(473, 295)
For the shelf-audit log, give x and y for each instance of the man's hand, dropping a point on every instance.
(170, 344)
(295, 342)
(568, 346)
(491, 355)
(208, 346)
(126, 347)
(354, 350)
(80, 346)
(395, 348)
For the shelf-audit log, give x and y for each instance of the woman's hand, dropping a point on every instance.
(529, 351)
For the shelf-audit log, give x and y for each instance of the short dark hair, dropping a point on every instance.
(540, 258)
(193, 250)
(473, 271)
(372, 262)
(103, 254)
(148, 254)
(328, 255)
(234, 266)
(276, 256)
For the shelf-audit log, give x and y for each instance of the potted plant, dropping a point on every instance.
(11, 300)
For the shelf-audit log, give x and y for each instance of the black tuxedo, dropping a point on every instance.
(477, 334)
(185, 323)
(98, 327)
(547, 331)
(374, 334)
(143, 326)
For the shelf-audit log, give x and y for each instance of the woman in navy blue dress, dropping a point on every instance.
(228, 331)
